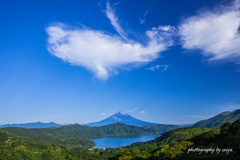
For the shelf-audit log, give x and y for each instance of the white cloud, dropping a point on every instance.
(105, 54)
(102, 53)
(142, 112)
(216, 33)
(163, 68)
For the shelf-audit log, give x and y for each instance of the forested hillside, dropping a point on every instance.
(215, 144)
(219, 119)
(174, 145)
(12, 148)
(187, 143)
(76, 135)
(170, 137)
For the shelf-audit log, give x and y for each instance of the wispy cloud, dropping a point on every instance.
(102, 114)
(133, 110)
(163, 68)
(216, 32)
(110, 13)
(51, 117)
(105, 114)
(229, 107)
(197, 116)
(137, 110)
(143, 18)
(142, 112)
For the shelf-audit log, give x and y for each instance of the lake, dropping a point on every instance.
(115, 142)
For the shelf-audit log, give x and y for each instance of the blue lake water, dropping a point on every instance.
(115, 142)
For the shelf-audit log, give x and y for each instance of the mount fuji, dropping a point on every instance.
(123, 118)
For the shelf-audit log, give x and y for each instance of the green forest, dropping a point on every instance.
(177, 144)
(75, 135)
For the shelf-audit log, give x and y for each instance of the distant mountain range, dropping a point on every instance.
(123, 118)
(219, 119)
(32, 125)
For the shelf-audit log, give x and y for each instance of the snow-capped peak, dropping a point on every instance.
(123, 118)
(122, 113)
(117, 119)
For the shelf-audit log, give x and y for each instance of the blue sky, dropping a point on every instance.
(163, 61)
